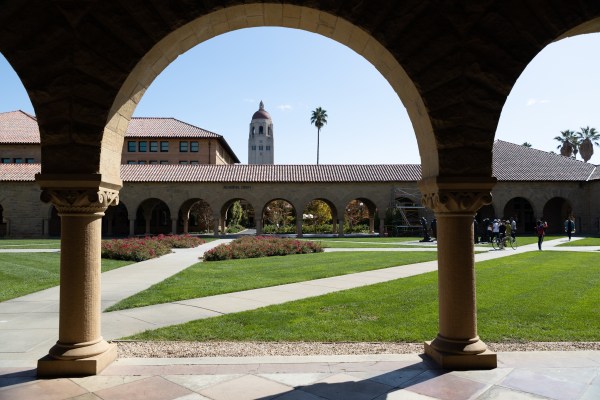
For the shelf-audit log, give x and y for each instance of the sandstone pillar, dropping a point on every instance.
(259, 225)
(455, 201)
(341, 227)
(216, 224)
(80, 349)
(132, 227)
(174, 225)
(382, 227)
(299, 221)
(371, 224)
(186, 225)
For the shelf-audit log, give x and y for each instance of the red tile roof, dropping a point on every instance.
(18, 127)
(19, 172)
(245, 173)
(513, 162)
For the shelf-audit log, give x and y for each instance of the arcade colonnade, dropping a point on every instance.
(86, 65)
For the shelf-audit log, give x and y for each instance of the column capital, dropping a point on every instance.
(456, 194)
(78, 194)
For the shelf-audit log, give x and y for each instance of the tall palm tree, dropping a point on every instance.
(318, 119)
(588, 137)
(568, 143)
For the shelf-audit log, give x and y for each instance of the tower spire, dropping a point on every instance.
(261, 106)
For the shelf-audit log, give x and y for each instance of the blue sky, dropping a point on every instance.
(218, 84)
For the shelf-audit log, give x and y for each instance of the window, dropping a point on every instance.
(131, 146)
(6, 161)
(194, 162)
(194, 147)
(142, 162)
(260, 147)
(153, 162)
(143, 146)
(183, 147)
(153, 147)
(183, 162)
(18, 161)
(260, 130)
(268, 147)
(164, 146)
(163, 162)
(29, 160)
(253, 147)
(131, 162)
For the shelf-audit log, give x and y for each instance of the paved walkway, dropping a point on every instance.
(28, 328)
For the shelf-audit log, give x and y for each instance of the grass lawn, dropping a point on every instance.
(217, 277)
(24, 273)
(516, 296)
(590, 241)
(29, 243)
(368, 242)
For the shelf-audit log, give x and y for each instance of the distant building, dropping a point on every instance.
(147, 141)
(260, 139)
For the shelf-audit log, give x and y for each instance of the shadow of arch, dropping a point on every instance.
(520, 208)
(115, 222)
(556, 211)
(231, 18)
(152, 217)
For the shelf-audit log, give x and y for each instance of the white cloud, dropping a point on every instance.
(284, 107)
(532, 102)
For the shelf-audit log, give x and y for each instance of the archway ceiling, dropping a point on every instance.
(464, 57)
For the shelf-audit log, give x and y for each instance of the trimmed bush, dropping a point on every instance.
(261, 246)
(140, 249)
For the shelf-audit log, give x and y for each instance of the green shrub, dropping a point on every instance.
(260, 246)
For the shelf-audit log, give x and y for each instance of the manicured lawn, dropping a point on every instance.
(369, 242)
(30, 244)
(537, 296)
(582, 242)
(24, 273)
(217, 277)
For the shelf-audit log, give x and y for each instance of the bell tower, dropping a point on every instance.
(260, 138)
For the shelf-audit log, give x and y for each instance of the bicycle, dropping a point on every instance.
(500, 243)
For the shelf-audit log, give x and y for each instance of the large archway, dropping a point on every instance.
(556, 211)
(152, 217)
(521, 210)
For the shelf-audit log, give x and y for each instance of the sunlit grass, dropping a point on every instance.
(516, 296)
(29, 243)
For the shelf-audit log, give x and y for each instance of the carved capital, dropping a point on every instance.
(456, 195)
(80, 201)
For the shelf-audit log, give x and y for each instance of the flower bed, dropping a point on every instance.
(140, 249)
(260, 246)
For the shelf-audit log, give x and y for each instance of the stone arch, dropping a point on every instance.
(308, 221)
(522, 210)
(360, 211)
(153, 216)
(237, 17)
(195, 215)
(281, 213)
(116, 221)
(249, 217)
(556, 210)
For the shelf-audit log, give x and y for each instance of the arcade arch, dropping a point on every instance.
(152, 217)
(521, 210)
(116, 221)
(319, 216)
(248, 217)
(279, 216)
(556, 211)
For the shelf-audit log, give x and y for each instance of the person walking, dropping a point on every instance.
(540, 229)
(570, 227)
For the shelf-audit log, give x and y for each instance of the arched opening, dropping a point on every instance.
(237, 215)
(152, 217)
(200, 218)
(556, 211)
(359, 216)
(319, 216)
(115, 222)
(279, 216)
(521, 210)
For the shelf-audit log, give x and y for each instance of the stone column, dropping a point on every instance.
(259, 225)
(80, 349)
(186, 225)
(334, 225)
(381, 227)
(299, 221)
(223, 226)
(341, 227)
(455, 201)
(132, 227)
(174, 225)
(371, 224)
(46, 227)
(148, 220)
(216, 224)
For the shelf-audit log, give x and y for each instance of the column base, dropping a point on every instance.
(451, 361)
(49, 366)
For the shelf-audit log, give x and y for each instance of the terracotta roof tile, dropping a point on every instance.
(19, 172)
(513, 162)
(18, 127)
(270, 173)
(165, 128)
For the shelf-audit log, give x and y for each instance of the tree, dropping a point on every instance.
(588, 137)
(568, 143)
(318, 119)
(526, 144)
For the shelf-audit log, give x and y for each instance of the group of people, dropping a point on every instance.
(495, 228)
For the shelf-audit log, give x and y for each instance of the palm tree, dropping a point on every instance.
(588, 137)
(568, 143)
(318, 119)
